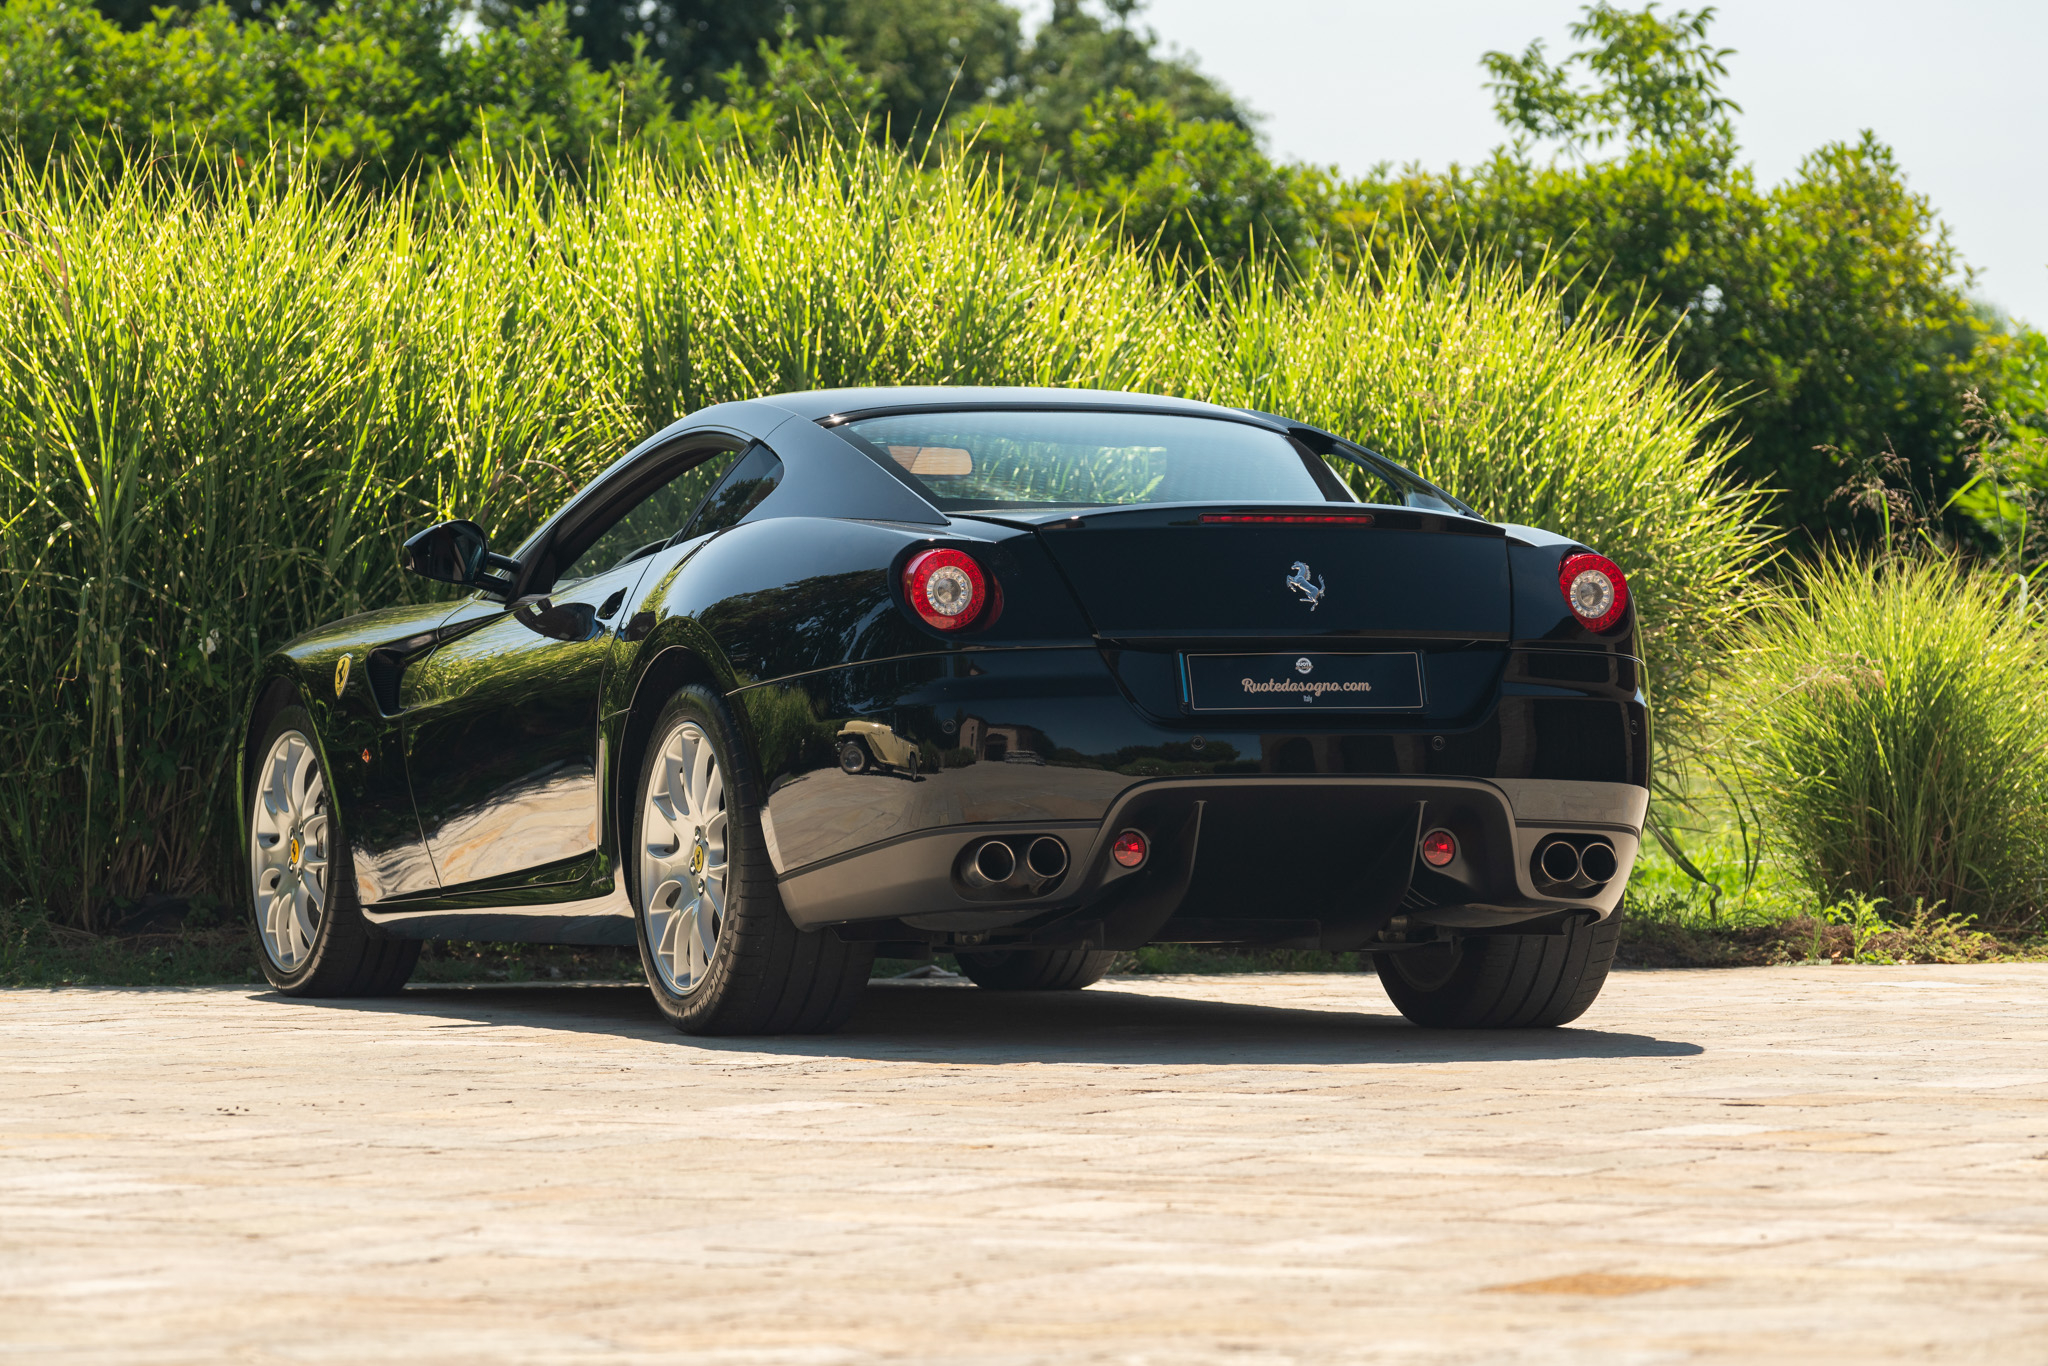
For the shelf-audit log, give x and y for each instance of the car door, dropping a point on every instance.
(501, 722)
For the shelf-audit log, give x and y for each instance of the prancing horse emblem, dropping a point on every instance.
(1298, 582)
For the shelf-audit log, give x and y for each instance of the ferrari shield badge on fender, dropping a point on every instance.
(340, 674)
(1298, 582)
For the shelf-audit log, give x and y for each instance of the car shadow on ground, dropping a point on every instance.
(1105, 1024)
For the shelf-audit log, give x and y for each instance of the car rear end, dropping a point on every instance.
(1253, 709)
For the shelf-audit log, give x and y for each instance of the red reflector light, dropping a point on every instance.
(1292, 519)
(1438, 848)
(1594, 588)
(946, 588)
(1129, 849)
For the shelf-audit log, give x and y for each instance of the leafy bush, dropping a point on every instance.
(225, 401)
(1833, 304)
(374, 89)
(1890, 720)
(1198, 190)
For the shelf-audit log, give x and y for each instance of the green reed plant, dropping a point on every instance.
(1888, 716)
(224, 401)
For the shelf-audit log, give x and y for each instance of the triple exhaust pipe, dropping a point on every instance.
(1588, 863)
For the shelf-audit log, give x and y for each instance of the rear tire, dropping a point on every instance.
(1037, 969)
(1502, 981)
(311, 935)
(752, 970)
(853, 758)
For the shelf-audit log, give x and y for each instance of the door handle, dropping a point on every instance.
(571, 621)
(611, 605)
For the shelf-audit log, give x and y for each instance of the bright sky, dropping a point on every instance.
(1956, 88)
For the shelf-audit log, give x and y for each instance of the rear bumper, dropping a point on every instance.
(1330, 860)
(1275, 825)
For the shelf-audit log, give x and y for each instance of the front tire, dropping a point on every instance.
(309, 924)
(721, 954)
(1502, 981)
(1037, 969)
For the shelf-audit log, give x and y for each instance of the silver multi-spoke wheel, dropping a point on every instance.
(683, 827)
(721, 952)
(289, 849)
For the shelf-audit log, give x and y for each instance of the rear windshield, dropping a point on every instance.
(971, 460)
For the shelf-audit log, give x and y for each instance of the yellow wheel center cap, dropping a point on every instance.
(295, 853)
(697, 860)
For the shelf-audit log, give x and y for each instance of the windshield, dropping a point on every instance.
(1065, 458)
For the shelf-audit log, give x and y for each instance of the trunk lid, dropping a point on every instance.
(1190, 574)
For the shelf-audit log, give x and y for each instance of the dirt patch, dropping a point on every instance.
(1594, 1283)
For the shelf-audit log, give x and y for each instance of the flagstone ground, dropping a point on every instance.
(1755, 1165)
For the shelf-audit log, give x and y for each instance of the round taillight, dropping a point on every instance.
(1129, 849)
(1594, 588)
(1439, 848)
(946, 588)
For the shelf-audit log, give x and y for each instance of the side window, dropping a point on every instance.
(652, 522)
(751, 480)
(1371, 485)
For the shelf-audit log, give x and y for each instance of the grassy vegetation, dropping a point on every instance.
(1893, 731)
(1761, 904)
(226, 401)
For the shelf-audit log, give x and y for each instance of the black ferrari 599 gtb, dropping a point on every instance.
(1026, 676)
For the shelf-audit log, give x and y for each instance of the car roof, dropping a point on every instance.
(819, 405)
(760, 418)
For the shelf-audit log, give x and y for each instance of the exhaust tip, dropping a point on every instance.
(1046, 858)
(1598, 862)
(993, 864)
(1559, 861)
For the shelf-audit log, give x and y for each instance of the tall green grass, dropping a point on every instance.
(1889, 719)
(224, 402)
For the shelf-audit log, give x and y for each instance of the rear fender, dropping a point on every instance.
(785, 596)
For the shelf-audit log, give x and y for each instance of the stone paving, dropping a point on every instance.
(1793, 1164)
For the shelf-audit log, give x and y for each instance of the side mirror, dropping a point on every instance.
(454, 552)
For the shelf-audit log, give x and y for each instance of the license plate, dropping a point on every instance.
(1302, 682)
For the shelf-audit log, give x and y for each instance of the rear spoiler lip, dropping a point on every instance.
(1387, 516)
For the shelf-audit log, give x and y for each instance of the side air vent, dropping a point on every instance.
(384, 669)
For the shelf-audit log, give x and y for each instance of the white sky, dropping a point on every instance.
(1957, 88)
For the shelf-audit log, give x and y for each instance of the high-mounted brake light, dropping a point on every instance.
(947, 589)
(1594, 588)
(1292, 519)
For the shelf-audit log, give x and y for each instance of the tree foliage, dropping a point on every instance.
(1079, 57)
(1833, 308)
(926, 57)
(1200, 190)
(1653, 81)
(370, 89)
